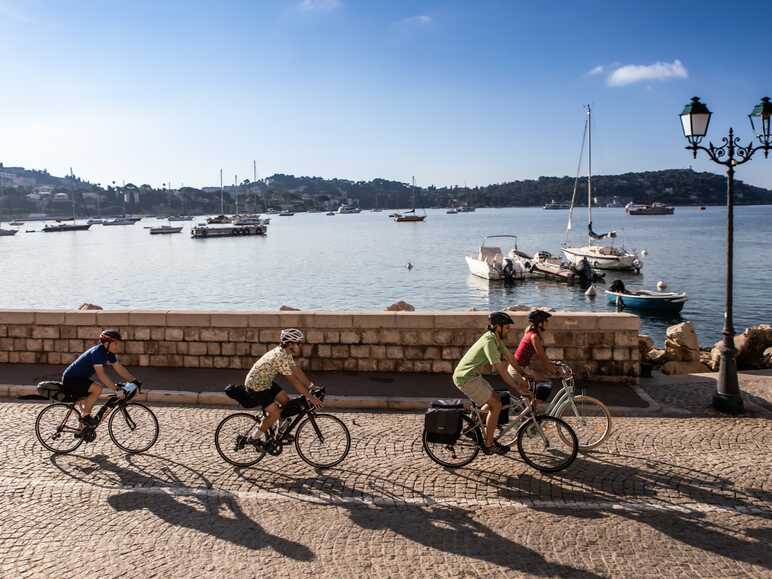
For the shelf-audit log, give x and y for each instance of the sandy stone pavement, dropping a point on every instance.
(684, 494)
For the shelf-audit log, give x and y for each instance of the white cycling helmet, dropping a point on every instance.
(291, 335)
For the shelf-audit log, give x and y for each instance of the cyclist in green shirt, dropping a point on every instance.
(489, 350)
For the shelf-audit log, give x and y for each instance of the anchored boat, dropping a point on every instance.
(664, 302)
(491, 264)
(599, 256)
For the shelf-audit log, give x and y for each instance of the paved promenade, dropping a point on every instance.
(677, 493)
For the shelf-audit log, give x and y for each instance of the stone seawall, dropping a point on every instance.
(602, 346)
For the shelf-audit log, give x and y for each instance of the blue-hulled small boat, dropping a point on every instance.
(670, 302)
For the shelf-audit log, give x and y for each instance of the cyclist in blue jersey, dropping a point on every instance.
(78, 378)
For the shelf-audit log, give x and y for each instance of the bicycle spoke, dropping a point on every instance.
(57, 427)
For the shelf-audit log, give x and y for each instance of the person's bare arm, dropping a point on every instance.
(102, 376)
(121, 370)
(519, 386)
(538, 347)
(303, 384)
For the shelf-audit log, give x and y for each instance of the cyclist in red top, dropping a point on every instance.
(530, 354)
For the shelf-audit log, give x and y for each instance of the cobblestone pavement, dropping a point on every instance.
(681, 496)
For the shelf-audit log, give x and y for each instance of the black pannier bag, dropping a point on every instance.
(52, 391)
(442, 422)
(295, 406)
(504, 414)
(241, 395)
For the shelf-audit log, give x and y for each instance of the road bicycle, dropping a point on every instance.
(132, 426)
(544, 442)
(588, 417)
(321, 440)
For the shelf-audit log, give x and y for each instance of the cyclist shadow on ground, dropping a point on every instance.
(213, 512)
(441, 527)
(594, 483)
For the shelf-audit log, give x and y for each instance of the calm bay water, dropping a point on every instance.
(359, 262)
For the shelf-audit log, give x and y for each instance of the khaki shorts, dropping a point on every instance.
(477, 390)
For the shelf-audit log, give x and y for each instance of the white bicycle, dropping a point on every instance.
(588, 417)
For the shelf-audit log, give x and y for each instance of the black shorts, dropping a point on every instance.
(76, 386)
(264, 397)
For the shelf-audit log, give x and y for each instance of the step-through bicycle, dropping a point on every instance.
(588, 417)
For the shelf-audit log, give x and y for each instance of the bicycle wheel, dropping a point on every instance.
(589, 418)
(133, 427)
(322, 440)
(56, 428)
(461, 452)
(543, 447)
(230, 440)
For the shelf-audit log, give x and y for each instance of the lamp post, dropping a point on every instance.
(695, 119)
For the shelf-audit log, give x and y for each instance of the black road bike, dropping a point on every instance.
(321, 440)
(132, 426)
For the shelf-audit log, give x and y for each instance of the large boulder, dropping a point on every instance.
(751, 348)
(676, 367)
(645, 345)
(90, 307)
(681, 344)
(288, 309)
(400, 306)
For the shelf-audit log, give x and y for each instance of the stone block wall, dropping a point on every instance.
(601, 346)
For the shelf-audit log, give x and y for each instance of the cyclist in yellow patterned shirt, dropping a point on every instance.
(264, 391)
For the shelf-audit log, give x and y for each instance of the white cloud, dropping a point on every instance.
(319, 5)
(632, 73)
(420, 20)
(600, 69)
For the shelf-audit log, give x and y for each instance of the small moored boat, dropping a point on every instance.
(491, 264)
(670, 302)
(165, 230)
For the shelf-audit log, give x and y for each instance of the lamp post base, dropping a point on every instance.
(728, 403)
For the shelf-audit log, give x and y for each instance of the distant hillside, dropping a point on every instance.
(19, 189)
(673, 186)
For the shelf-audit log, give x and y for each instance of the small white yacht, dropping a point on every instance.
(490, 262)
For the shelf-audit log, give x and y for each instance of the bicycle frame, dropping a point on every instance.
(526, 414)
(280, 433)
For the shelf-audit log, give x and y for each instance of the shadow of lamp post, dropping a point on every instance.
(695, 119)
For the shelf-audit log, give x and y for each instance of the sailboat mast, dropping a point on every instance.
(589, 171)
(222, 212)
(413, 194)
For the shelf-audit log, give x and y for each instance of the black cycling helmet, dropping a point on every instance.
(110, 336)
(538, 317)
(499, 319)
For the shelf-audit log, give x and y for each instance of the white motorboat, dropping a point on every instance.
(655, 208)
(121, 221)
(599, 256)
(348, 209)
(7, 232)
(165, 229)
(490, 262)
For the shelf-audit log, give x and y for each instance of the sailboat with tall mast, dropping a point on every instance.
(410, 216)
(599, 256)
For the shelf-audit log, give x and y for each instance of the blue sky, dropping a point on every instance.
(452, 92)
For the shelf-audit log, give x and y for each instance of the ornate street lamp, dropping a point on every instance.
(695, 119)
